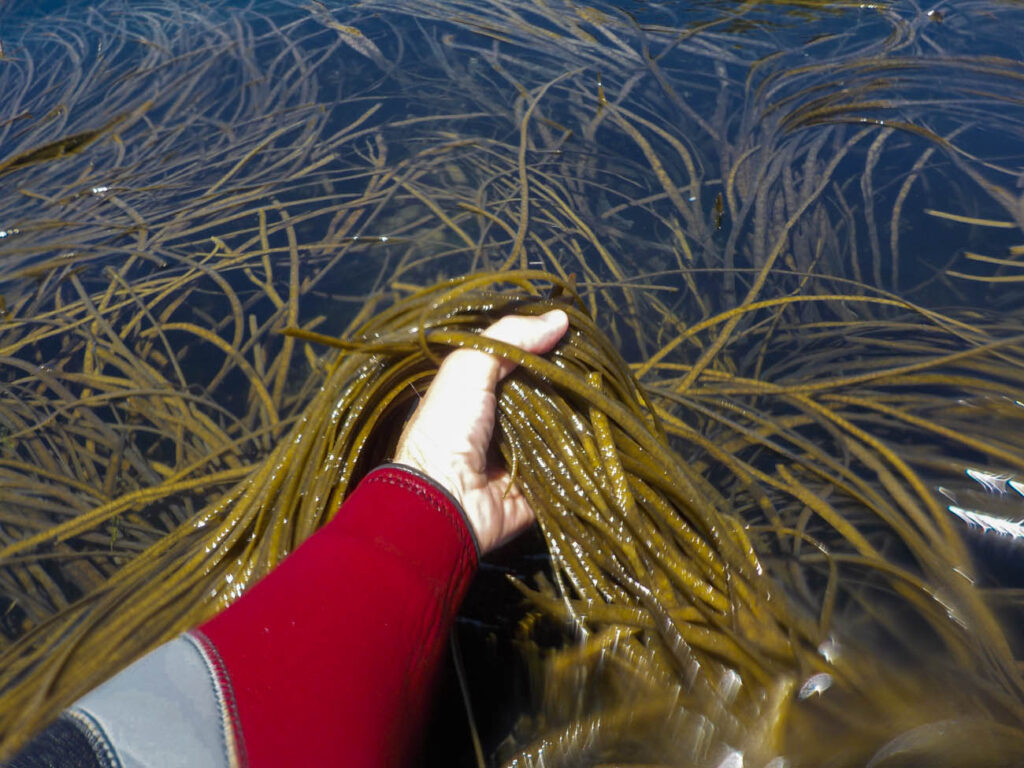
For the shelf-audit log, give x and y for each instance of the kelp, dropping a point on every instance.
(752, 456)
(727, 612)
(830, 493)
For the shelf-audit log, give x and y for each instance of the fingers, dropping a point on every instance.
(531, 334)
(477, 370)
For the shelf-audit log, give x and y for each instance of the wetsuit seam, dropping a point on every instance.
(95, 735)
(225, 695)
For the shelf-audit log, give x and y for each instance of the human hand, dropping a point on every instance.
(448, 435)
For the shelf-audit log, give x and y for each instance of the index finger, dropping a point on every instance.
(479, 370)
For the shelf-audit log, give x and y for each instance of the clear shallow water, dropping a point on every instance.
(729, 85)
(860, 148)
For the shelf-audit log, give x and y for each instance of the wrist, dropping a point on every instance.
(409, 464)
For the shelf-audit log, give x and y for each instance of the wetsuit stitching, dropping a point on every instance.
(437, 490)
(96, 736)
(225, 694)
(457, 525)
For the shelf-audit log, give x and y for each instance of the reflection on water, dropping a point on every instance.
(802, 222)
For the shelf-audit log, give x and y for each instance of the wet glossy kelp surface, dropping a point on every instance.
(779, 530)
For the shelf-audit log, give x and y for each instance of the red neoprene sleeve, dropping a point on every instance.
(331, 657)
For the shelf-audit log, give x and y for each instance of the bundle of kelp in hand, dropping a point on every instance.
(698, 581)
(701, 640)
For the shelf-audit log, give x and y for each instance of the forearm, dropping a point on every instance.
(328, 660)
(344, 639)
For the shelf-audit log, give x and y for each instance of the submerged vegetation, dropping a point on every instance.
(787, 235)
